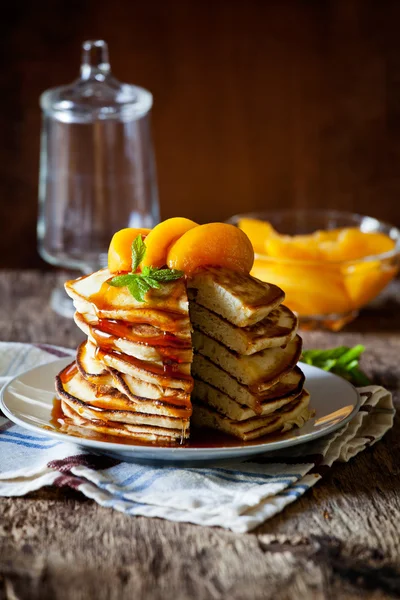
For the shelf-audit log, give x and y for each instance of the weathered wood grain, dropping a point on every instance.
(341, 540)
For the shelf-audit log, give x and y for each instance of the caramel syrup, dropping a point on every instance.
(68, 373)
(106, 299)
(121, 330)
(106, 339)
(171, 369)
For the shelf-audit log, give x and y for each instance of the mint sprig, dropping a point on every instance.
(139, 284)
(138, 252)
(343, 361)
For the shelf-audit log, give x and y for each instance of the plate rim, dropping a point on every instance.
(177, 450)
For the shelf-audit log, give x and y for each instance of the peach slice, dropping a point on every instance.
(298, 247)
(365, 280)
(120, 250)
(214, 244)
(258, 232)
(162, 237)
(309, 290)
(353, 244)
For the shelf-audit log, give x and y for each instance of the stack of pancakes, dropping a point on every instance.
(131, 377)
(246, 351)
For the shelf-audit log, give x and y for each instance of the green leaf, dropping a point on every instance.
(323, 355)
(138, 289)
(151, 282)
(121, 280)
(359, 378)
(135, 291)
(138, 252)
(329, 364)
(351, 354)
(167, 274)
(146, 271)
(341, 360)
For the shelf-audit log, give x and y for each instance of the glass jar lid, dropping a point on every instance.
(97, 94)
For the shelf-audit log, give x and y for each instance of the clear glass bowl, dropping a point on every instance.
(326, 295)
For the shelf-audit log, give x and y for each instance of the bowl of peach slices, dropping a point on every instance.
(329, 263)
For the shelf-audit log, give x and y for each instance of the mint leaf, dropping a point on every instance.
(167, 274)
(138, 252)
(120, 280)
(146, 271)
(137, 289)
(151, 282)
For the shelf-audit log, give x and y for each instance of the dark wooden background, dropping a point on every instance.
(258, 104)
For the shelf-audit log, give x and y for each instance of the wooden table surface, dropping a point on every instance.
(340, 540)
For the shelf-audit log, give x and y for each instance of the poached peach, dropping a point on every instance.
(214, 244)
(120, 249)
(162, 237)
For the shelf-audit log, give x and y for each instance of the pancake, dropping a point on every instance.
(90, 368)
(125, 383)
(121, 416)
(292, 415)
(100, 333)
(205, 370)
(276, 329)
(72, 386)
(241, 299)
(166, 308)
(148, 372)
(260, 370)
(170, 297)
(144, 433)
(225, 405)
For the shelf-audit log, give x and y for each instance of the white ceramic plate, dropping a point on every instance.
(28, 401)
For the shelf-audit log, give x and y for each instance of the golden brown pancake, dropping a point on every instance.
(260, 370)
(294, 414)
(278, 328)
(241, 299)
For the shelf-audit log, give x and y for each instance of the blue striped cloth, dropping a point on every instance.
(238, 496)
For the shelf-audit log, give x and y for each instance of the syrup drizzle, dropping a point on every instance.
(168, 368)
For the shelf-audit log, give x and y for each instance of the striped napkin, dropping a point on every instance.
(234, 495)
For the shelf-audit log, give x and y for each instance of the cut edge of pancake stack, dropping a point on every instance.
(131, 377)
(246, 379)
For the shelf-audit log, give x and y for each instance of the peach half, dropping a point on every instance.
(214, 244)
(120, 249)
(162, 237)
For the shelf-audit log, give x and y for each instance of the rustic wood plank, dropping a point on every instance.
(340, 540)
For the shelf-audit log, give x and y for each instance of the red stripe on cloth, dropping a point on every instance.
(91, 461)
(69, 481)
